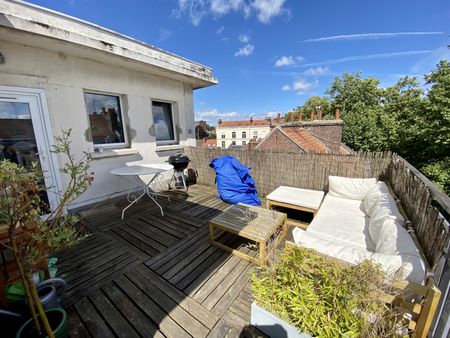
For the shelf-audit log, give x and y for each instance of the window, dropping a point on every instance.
(163, 122)
(233, 134)
(223, 135)
(223, 144)
(244, 143)
(105, 119)
(233, 143)
(255, 134)
(244, 134)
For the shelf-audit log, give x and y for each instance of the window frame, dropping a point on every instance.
(244, 134)
(233, 143)
(125, 144)
(176, 137)
(233, 134)
(255, 134)
(223, 135)
(244, 143)
(224, 144)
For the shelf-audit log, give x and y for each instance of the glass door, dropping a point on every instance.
(23, 140)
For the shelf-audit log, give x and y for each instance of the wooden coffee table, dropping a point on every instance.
(265, 227)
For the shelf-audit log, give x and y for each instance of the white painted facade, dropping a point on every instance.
(63, 57)
(225, 134)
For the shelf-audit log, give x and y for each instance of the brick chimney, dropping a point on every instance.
(219, 122)
(300, 116)
(338, 113)
(319, 114)
(311, 116)
(251, 119)
(291, 117)
(278, 118)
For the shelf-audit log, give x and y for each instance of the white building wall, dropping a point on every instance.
(64, 79)
(262, 132)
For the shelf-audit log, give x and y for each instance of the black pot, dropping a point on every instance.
(179, 161)
(57, 318)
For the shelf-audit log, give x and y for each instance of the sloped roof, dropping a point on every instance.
(209, 143)
(306, 140)
(244, 123)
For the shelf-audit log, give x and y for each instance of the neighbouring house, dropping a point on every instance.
(209, 143)
(241, 132)
(314, 136)
(124, 100)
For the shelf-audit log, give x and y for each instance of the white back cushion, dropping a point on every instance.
(371, 198)
(350, 188)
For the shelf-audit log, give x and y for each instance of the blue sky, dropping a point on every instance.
(271, 55)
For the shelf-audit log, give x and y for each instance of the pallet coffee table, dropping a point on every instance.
(265, 227)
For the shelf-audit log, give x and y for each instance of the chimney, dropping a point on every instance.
(319, 114)
(219, 122)
(278, 118)
(311, 117)
(338, 113)
(299, 116)
(251, 119)
(291, 117)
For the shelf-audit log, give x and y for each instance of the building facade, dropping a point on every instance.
(240, 133)
(124, 100)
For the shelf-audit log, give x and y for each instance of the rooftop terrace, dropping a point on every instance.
(153, 275)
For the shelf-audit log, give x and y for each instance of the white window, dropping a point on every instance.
(233, 143)
(255, 134)
(223, 135)
(105, 119)
(244, 143)
(223, 144)
(164, 123)
(233, 134)
(244, 134)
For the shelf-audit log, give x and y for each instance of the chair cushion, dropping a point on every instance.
(349, 188)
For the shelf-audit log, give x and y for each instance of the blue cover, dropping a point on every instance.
(234, 183)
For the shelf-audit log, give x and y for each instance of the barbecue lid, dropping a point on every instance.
(178, 158)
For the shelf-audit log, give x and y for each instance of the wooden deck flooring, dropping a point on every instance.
(157, 276)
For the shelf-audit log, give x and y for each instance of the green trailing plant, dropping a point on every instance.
(31, 235)
(321, 297)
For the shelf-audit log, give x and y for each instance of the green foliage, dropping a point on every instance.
(401, 118)
(313, 104)
(320, 297)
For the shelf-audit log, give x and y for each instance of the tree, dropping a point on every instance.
(313, 104)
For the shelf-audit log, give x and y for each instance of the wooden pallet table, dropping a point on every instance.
(265, 227)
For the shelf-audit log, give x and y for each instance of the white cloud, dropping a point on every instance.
(284, 61)
(164, 34)
(369, 36)
(215, 114)
(369, 57)
(244, 38)
(220, 30)
(318, 71)
(247, 50)
(264, 10)
(301, 86)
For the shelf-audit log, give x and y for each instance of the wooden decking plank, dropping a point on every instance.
(152, 309)
(222, 329)
(187, 258)
(212, 261)
(112, 316)
(92, 320)
(85, 245)
(125, 234)
(76, 328)
(219, 275)
(174, 250)
(104, 275)
(186, 269)
(225, 286)
(140, 322)
(206, 317)
(241, 308)
(154, 238)
(160, 224)
(120, 241)
(177, 313)
(181, 223)
(185, 219)
(235, 321)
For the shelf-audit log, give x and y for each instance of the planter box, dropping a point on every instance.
(273, 326)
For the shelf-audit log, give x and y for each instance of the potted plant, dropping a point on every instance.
(32, 236)
(309, 295)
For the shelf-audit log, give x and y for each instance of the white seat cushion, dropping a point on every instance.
(296, 196)
(408, 267)
(350, 188)
(344, 221)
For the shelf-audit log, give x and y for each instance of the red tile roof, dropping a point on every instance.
(244, 123)
(305, 140)
(209, 143)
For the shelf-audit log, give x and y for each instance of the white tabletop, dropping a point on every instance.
(296, 196)
(141, 169)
